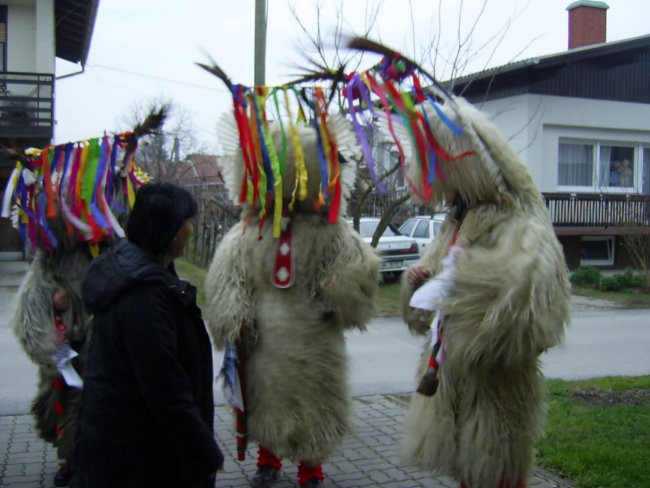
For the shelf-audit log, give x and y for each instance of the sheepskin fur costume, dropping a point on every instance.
(297, 401)
(34, 326)
(507, 301)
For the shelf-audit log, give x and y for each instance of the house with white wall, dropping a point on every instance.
(580, 119)
(33, 33)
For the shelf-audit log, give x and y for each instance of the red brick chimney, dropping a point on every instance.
(587, 23)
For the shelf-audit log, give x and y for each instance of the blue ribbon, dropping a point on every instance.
(455, 128)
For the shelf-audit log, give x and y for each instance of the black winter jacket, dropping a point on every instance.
(147, 407)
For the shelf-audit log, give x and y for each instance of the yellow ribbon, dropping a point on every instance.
(301, 176)
(93, 247)
(321, 113)
(261, 189)
(275, 167)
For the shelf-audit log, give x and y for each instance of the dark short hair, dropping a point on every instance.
(158, 213)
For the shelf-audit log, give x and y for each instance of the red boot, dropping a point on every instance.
(310, 475)
(268, 468)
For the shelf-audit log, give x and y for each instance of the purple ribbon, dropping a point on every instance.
(99, 176)
(357, 83)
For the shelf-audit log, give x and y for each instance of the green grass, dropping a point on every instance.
(388, 292)
(629, 298)
(194, 274)
(598, 432)
(389, 305)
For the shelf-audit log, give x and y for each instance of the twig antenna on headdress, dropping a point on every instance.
(13, 154)
(152, 122)
(214, 69)
(318, 72)
(365, 44)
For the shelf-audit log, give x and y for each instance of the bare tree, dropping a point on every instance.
(635, 219)
(637, 243)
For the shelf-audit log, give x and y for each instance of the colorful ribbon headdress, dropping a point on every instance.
(383, 85)
(277, 128)
(75, 191)
(437, 128)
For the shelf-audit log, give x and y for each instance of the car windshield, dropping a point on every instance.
(367, 229)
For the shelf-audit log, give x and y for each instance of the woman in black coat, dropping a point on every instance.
(147, 407)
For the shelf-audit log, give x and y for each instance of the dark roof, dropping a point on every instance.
(75, 20)
(567, 69)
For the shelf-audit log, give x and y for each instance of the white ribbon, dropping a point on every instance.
(63, 356)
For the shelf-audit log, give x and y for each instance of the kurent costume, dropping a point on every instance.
(500, 291)
(48, 313)
(283, 289)
(67, 201)
(148, 378)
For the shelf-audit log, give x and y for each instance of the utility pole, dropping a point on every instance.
(260, 42)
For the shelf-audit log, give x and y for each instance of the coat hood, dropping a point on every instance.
(124, 266)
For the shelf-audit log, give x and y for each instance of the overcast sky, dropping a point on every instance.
(145, 49)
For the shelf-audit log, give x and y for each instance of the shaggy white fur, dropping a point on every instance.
(296, 369)
(509, 302)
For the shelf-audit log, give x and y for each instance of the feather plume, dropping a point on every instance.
(231, 162)
(349, 148)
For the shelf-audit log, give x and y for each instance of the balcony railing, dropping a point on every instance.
(598, 211)
(26, 105)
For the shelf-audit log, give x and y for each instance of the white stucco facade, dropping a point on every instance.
(30, 36)
(536, 124)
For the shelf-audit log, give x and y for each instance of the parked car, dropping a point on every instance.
(397, 252)
(423, 229)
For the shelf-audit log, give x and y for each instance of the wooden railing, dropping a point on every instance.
(598, 210)
(26, 104)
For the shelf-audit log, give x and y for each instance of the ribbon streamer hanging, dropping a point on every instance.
(73, 182)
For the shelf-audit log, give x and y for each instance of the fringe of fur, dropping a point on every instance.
(296, 372)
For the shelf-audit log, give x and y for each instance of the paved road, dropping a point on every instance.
(602, 343)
